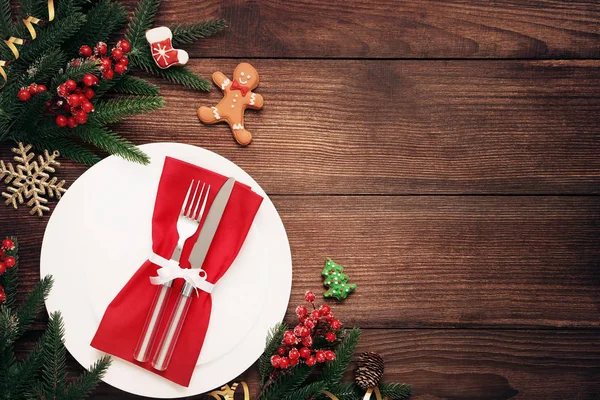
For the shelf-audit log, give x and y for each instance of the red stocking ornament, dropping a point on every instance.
(162, 50)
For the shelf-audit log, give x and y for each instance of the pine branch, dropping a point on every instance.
(82, 387)
(30, 115)
(45, 67)
(112, 143)
(343, 391)
(274, 339)
(178, 74)
(5, 18)
(106, 85)
(9, 327)
(287, 383)
(104, 19)
(67, 148)
(189, 33)
(395, 391)
(28, 310)
(308, 391)
(116, 109)
(140, 22)
(53, 357)
(77, 73)
(333, 373)
(27, 369)
(52, 36)
(136, 86)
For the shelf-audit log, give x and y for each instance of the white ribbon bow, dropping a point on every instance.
(170, 269)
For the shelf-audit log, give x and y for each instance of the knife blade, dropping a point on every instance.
(211, 223)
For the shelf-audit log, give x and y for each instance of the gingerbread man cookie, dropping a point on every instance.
(237, 96)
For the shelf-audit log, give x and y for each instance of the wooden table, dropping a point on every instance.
(446, 153)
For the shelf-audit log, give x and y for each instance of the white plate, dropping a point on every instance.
(99, 234)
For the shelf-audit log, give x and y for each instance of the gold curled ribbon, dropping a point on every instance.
(375, 390)
(12, 41)
(227, 392)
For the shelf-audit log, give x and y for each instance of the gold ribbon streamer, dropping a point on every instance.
(375, 390)
(227, 392)
(12, 41)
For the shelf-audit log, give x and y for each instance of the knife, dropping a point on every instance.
(207, 233)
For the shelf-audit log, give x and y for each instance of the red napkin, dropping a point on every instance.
(123, 320)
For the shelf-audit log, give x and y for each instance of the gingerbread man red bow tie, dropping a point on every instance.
(237, 86)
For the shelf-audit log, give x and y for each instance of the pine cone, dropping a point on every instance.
(369, 370)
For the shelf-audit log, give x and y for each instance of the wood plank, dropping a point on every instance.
(433, 261)
(401, 127)
(394, 29)
(404, 127)
(472, 364)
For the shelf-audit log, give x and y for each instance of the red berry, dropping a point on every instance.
(117, 54)
(301, 330)
(311, 361)
(24, 95)
(76, 63)
(89, 79)
(89, 93)
(62, 90)
(294, 362)
(310, 323)
(329, 317)
(289, 338)
(320, 356)
(284, 362)
(330, 337)
(275, 361)
(85, 51)
(71, 85)
(105, 64)
(336, 324)
(2, 254)
(74, 100)
(32, 89)
(101, 49)
(124, 45)
(329, 355)
(41, 89)
(87, 106)
(294, 354)
(71, 122)
(305, 352)
(307, 341)
(2, 297)
(325, 309)
(120, 68)
(10, 262)
(124, 60)
(315, 314)
(310, 296)
(8, 244)
(2, 268)
(301, 311)
(61, 121)
(81, 117)
(281, 351)
(108, 74)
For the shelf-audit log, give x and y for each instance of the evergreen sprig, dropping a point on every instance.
(191, 32)
(42, 373)
(108, 141)
(274, 338)
(116, 109)
(395, 391)
(142, 21)
(286, 384)
(333, 372)
(135, 86)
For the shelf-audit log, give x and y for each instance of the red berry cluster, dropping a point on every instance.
(7, 260)
(116, 61)
(73, 103)
(33, 89)
(297, 345)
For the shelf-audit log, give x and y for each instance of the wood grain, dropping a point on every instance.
(394, 29)
(404, 127)
(434, 261)
(471, 364)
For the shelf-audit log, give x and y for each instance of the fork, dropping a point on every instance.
(189, 218)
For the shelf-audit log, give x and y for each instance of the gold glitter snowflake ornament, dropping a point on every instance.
(31, 180)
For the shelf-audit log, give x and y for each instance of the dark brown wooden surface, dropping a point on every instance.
(446, 153)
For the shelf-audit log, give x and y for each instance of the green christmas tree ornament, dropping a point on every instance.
(336, 280)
